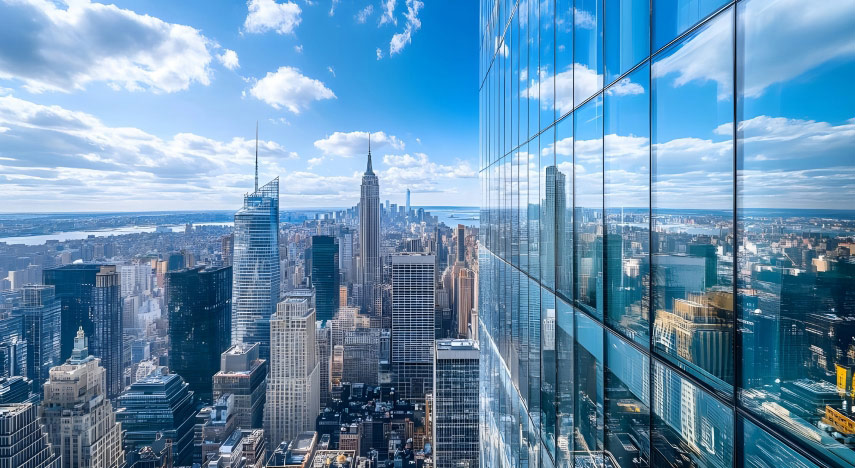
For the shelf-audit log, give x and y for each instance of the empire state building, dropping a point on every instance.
(369, 233)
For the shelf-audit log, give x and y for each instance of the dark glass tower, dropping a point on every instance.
(199, 307)
(40, 311)
(369, 235)
(107, 342)
(325, 276)
(73, 285)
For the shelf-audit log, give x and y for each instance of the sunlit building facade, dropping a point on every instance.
(255, 267)
(667, 246)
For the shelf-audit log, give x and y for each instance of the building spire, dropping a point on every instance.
(256, 156)
(369, 170)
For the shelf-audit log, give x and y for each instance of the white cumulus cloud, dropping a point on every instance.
(269, 15)
(229, 59)
(347, 144)
(288, 88)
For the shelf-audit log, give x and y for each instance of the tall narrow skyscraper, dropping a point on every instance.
(40, 311)
(106, 343)
(256, 266)
(369, 234)
(407, 213)
(413, 300)
(325, 276)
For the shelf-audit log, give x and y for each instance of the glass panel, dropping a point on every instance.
(522, 22)
(549, 205)
(547, 359)
(564, 387)
(534, 349)
(533, 91)
(589, 391)
(627, 205)
(761, 450)
(627, 31)
(796, 269)
(588, 49)
(564, 207)
(627, 404)
(534, 208)
(523, 160)
(547, 63)
(563, 56)
(692, 195)
(690, 427)
(673, 17)
(588, 186)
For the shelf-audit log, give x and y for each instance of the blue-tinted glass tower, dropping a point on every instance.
(40, 311)
(325, 276)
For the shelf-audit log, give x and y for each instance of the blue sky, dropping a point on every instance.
(151, 105)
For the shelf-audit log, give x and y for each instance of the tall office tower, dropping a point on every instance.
(325, 276)
(228, 246)
(14, 389)
(158, 405)
(23, 442)
(244, 375)
(13, 345)
(199, 308)
(413, 300)
(256, 266)
(74, 284)
(324, 352)
(656, 302)
(293, 387)
(345, 257)
(460, 246)
(465, 300)
(369, 236)
(76, 414)
(41, 315)
(106, 343)
(455, 404)
(407, 212)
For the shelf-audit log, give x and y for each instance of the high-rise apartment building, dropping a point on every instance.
(158, 405)
(659, 283)
(23, 442)
(325, 276)
(255, 266)
(244, 375)
(73, 285)
(106, 343)
(76, 414)
(41, 316)
(369, 236)
(413, 301)
(293, 386)
(199, 308)
(455, 404)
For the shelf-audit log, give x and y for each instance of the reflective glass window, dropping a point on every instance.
(549, 206)
(564, 386)
(692, 196)
(548, 369)
(796, 156)
(533, 89)
(523, 84)
(627, 29)
(563, 189)
(534, 352)
(588, 187)
(673, 17)
(523, 161)
(627, 404)
(588, 355)
(762, 450)
(626, 148)
(588, 49)
(547, 63)
(534, 210)
(563, 101)
(690, 427)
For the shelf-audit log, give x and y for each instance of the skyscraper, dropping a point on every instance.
(74, 284)
(256, 266)
(293, 386)
(369, 235)
(13, 345)
(158, 405)
(323, 345)
(325, 276)
(407, 212)
(40, 311)
(78, 417)
(23, 443)
(455, 404)
(244, 375)
(199, 304)
(106, 342)
(413, 300)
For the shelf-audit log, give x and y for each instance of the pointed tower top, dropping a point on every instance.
(369, 170)
(256, 156)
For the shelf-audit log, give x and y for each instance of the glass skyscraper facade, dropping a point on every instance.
(325, 276)
(256, 267)
(667, 243)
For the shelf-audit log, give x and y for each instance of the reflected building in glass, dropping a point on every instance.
(667, 243)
